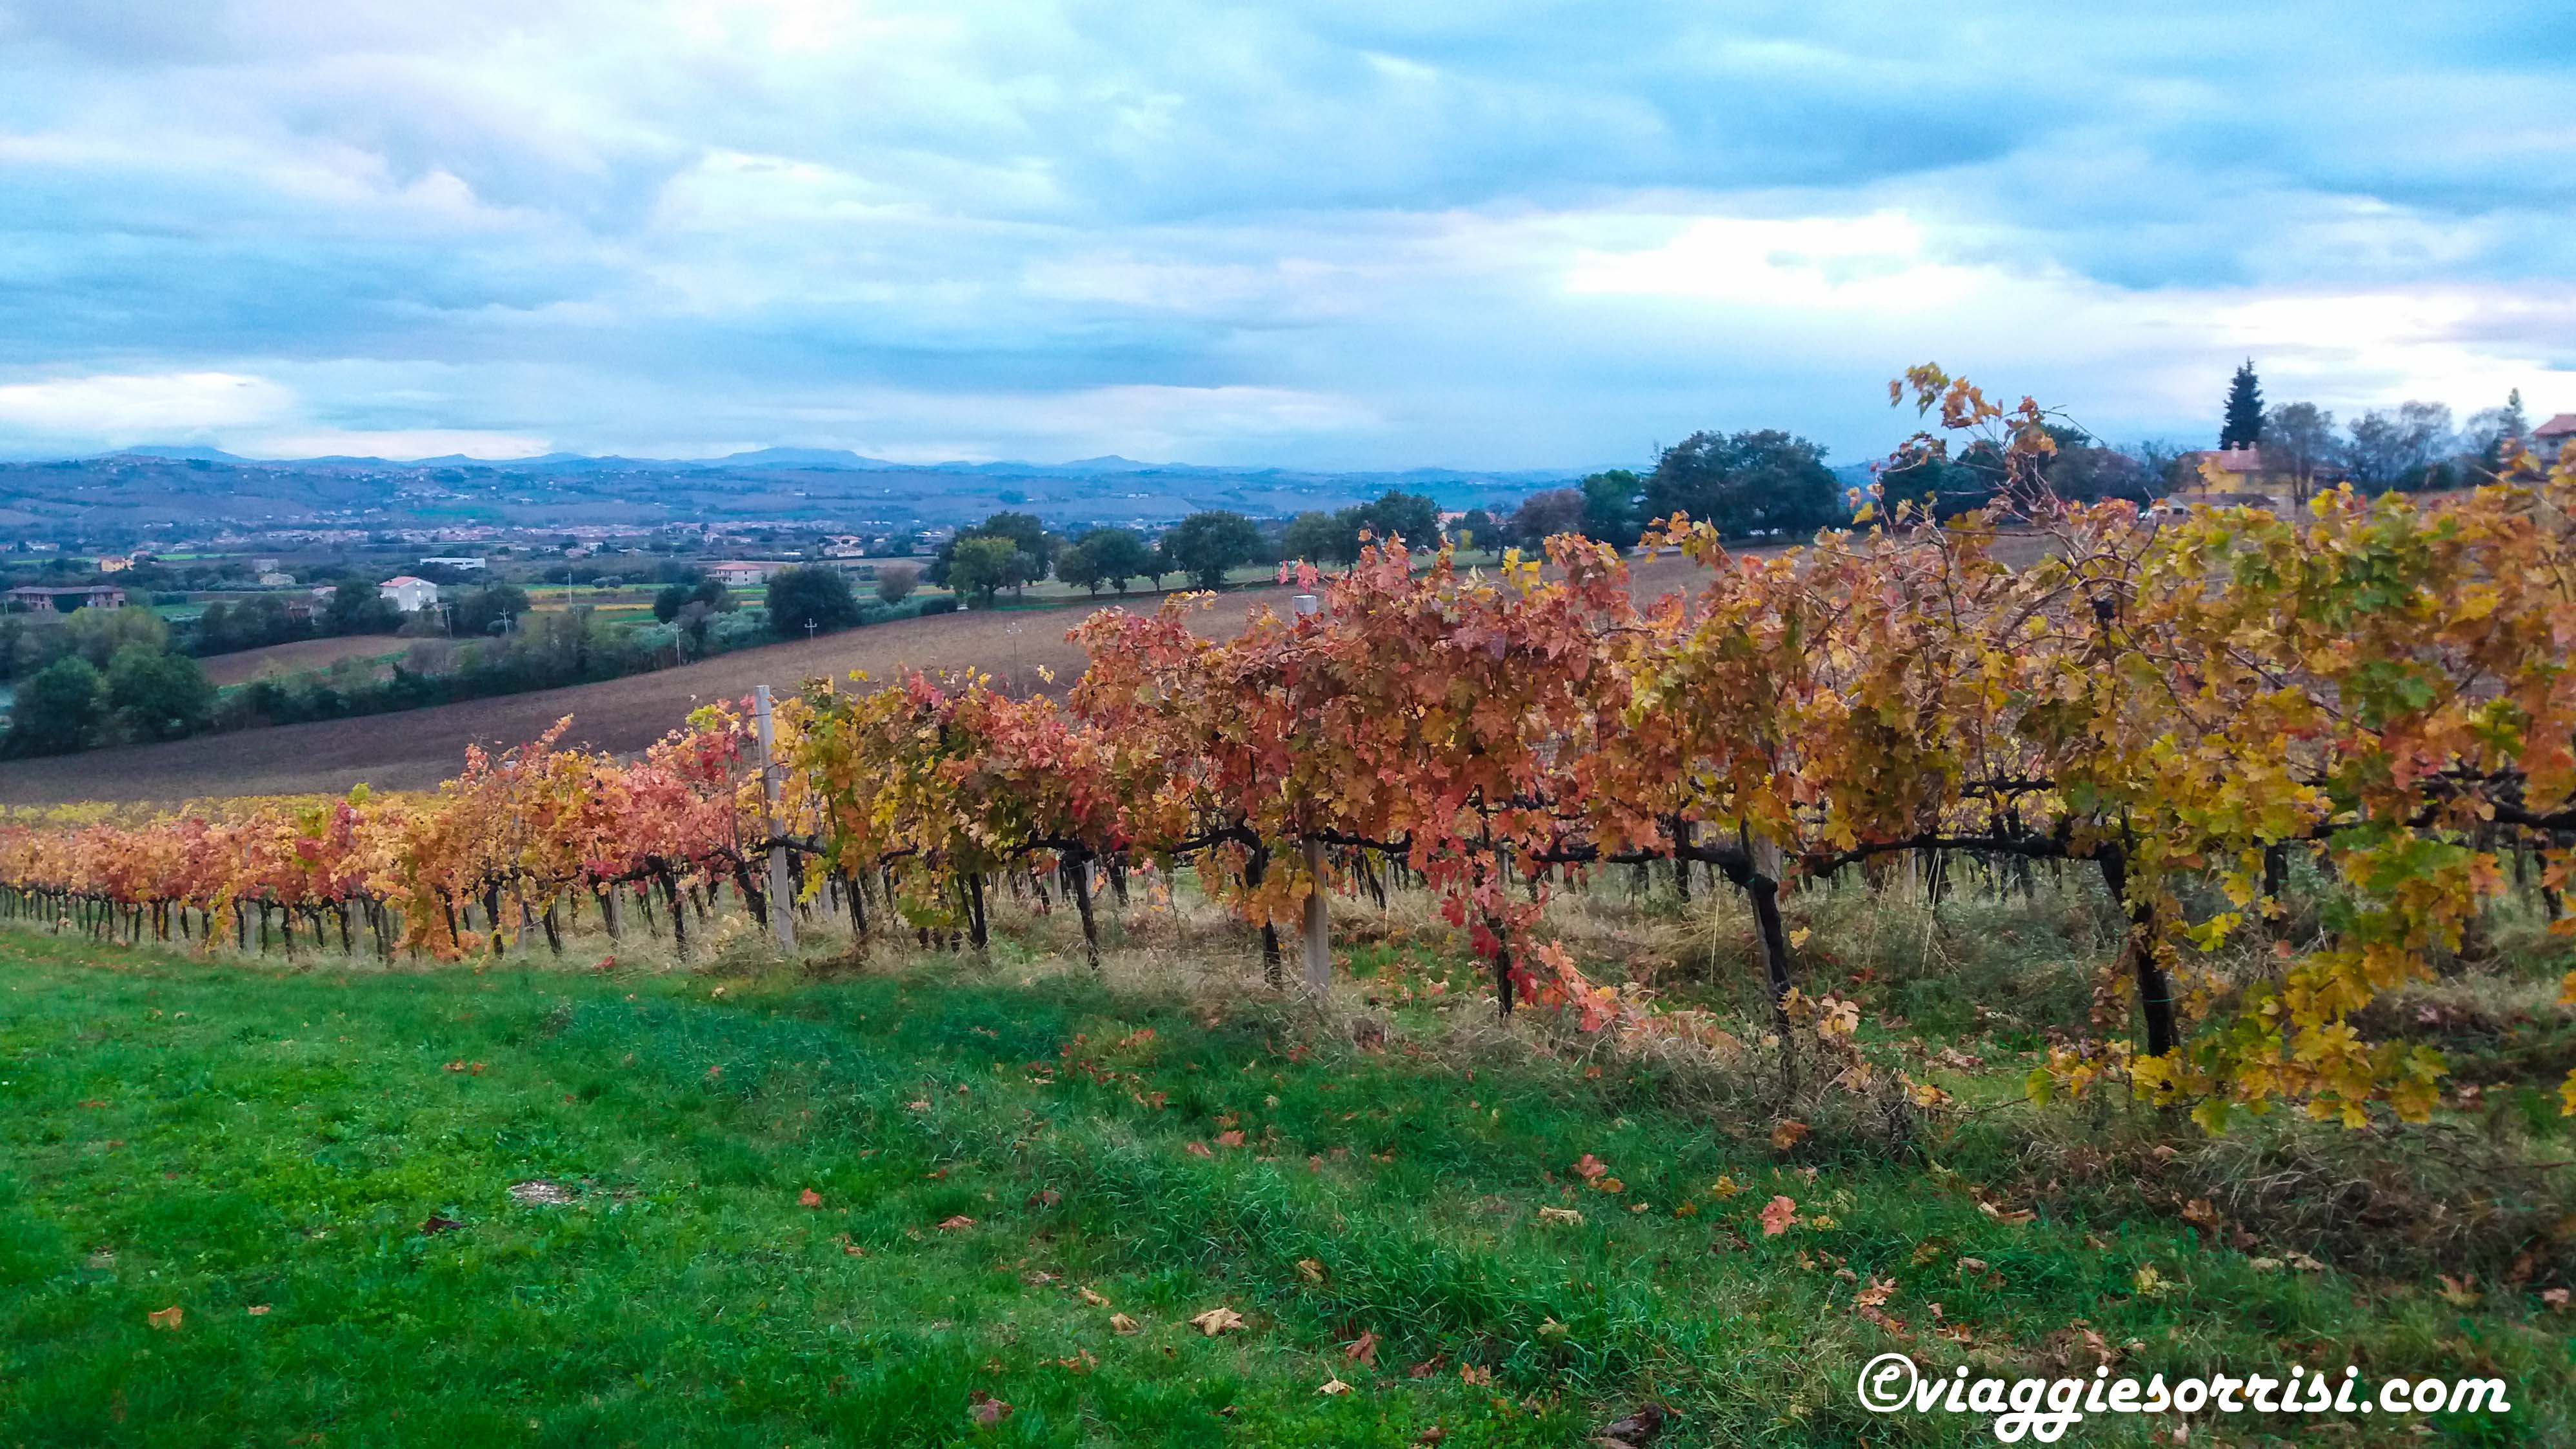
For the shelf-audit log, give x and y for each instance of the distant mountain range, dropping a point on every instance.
(150, 491)
(826, 459)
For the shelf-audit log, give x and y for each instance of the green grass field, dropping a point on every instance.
(750, 1205)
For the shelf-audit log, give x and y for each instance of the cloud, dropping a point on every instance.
(119, 409)
(1314, 233)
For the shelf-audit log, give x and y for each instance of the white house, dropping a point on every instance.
(462, 565)
(736, 574)
(409, 594)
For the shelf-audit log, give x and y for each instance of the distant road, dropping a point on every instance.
(415, 749)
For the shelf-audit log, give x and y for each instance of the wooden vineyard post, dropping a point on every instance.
(1319, 927)
(782, 920)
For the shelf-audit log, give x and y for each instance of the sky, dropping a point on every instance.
(1329, 235)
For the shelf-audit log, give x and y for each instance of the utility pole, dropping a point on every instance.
(809, 631)
(782, 895)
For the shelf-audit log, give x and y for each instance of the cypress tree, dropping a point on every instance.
(2244, 426)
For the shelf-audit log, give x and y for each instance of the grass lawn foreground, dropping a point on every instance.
(622, 1207)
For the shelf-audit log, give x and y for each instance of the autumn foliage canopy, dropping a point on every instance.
(2380, 688)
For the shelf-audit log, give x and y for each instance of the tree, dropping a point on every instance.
(58, 709)
(97, 635)
(1119, 555)
(2086, 472)
(2299, 439)
(490, 609)
(1075, 567)
(1314, 536)
(2244, 425)
(696, 589)
(895, 581)
(159, 695)
(1745, 483)
(815, 595)
(979, 566)
(1610, 502)
(2392, 450)
(1477, 529)
(1204, 545)
(359, 607)
(1027, 534)
(2491, 432)
(1408, 516)
(1542, 516)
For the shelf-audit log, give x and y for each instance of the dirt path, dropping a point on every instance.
(418, 748)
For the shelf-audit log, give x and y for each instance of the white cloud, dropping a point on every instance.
(117, 409)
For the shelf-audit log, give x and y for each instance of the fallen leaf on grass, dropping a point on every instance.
(1045, 1197)
(1550, 1328)
(1197, 1149)
(1589, 1167)
(2015, 1216)
(1475, 1374)
(1310, 1270)
(433, 1225)
(809, 1198)
(1725, 1186)
(1121, 1323)
(1092, 1298)
(1875, 1294)
(1362, 1349)
(1424, 1369)
(1082, 1362)
(1333, 1386)
(1777, 1215)
(983, 1408)
(258, 1310)
(1567, 1216)
(2554, 1297)
(1611, 1184)
(2459, 1293)
(957, 1224)
(165, 1317)
(1229, 1139)
(1431, 1436)
(1636, 1430)
(1788, 1133)
(1216, 1321)
(540, 1194)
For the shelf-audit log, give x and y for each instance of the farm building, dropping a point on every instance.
(63, 600)
(2552, 435)
(409, 594)
(738, 574)
(461, 565)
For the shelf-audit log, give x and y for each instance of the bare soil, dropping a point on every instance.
(243, 666)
